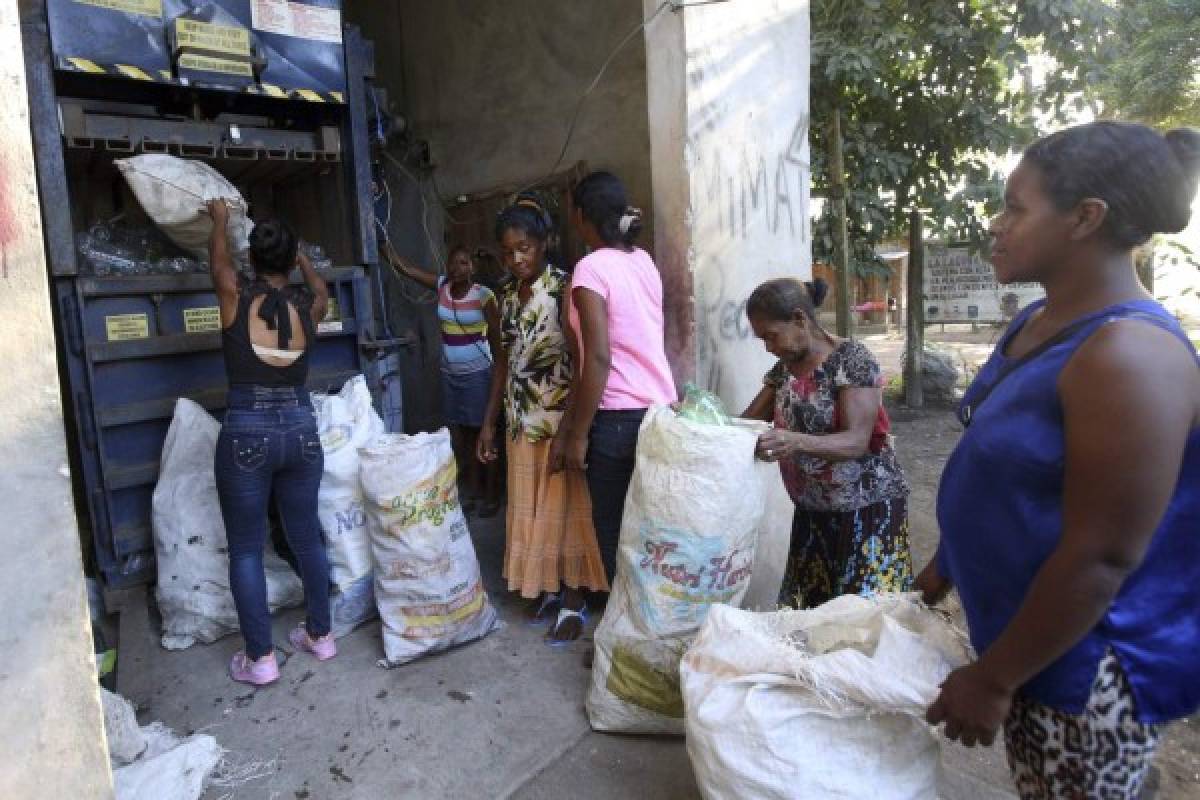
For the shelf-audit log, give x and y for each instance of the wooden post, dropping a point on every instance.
(915, 313)
(841, 249)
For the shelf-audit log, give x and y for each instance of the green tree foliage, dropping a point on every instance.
(1149, 69)
(932, 91)
(924, 91)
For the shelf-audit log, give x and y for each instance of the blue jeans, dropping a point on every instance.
(612, 447)
(269, 445)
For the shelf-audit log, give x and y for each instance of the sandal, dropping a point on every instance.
(565, 614)
(550, 601)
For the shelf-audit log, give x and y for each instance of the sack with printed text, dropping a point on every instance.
(346, 422)
(428, 588)
(687, 543)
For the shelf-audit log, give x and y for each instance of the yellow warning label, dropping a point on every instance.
(147, 8)
(214, 38)
(202, 320)
(123, 327)
(206, 64)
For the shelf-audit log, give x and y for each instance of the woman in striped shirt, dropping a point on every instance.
(470, 325)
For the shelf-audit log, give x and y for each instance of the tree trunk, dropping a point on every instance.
(841, 249)
(915, 316)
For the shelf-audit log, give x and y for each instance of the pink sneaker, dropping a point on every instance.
(258, 673)
(323, 648)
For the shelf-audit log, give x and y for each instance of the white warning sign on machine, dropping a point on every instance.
(301, 20)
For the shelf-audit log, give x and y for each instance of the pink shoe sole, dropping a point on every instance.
(255, 673)
(323, 649)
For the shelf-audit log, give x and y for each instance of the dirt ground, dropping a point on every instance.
(925, 439)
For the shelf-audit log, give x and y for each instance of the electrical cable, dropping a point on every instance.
(434, 249)
(673, 5)
(378, 117)
(645, 23)
(424, 299)
(387, 328)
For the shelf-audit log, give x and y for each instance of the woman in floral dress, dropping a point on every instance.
(550, 553)
(825, 398)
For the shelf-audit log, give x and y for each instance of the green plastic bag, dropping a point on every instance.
(703, 407)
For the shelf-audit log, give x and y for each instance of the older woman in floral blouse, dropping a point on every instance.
(850, 531)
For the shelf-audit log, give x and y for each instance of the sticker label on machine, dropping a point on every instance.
(297, 19)
(202, 320)
(124, 327)
(145, 8)
(198, 35)
(333, 318)
(209, 64)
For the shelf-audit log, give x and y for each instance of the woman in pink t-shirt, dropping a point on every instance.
(617, 314)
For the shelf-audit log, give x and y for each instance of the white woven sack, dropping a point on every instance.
(687, 543)
(190, 548)
(824, 703)
(178, 774)
(346, 422)
(173, 192)
(428, 588)
(125, 739)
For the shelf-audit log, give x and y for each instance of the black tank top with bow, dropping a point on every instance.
(242, 364)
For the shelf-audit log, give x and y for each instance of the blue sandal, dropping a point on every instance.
(565, 614)
(550, 600)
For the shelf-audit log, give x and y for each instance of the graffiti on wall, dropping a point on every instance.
(748, 192)
(746, 205)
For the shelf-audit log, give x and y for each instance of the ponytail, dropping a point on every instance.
(602, 200)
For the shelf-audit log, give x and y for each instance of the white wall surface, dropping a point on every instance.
(728, 99)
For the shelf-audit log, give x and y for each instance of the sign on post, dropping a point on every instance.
(961, 287)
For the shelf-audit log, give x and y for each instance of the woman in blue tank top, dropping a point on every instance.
(1070, 510)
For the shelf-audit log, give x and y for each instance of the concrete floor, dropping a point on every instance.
(499, 718)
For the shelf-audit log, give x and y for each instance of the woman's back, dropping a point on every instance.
(639, 374)
(268, 343)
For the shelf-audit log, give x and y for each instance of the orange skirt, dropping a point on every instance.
(550, 538)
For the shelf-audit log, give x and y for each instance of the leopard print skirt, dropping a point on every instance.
(1102, 754)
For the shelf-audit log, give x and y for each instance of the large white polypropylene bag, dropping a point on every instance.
(428, 588)
(173, 192)
(346, 422)
(824, 703)
(687, 543)
(125, 739)
(178, 774)
(189, 539)
(773, 541)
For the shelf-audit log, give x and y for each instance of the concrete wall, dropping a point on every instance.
(54, 742)
(728, 101)
(493, 86)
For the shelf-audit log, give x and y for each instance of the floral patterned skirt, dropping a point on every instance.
(847, 552)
